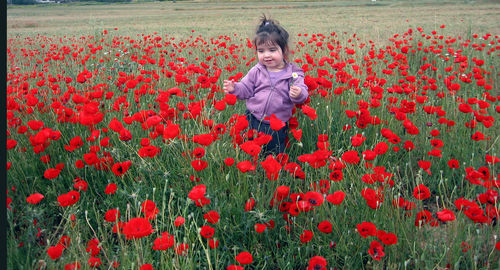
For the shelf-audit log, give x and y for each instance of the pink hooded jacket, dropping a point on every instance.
(264, 99)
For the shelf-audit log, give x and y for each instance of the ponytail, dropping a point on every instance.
(270, 31)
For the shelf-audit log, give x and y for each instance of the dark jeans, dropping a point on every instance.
(277, 144)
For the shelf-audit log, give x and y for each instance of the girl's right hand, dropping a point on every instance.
(228, 86)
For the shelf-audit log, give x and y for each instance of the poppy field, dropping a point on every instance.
(123, 152)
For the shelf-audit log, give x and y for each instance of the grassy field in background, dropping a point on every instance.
(369, 20)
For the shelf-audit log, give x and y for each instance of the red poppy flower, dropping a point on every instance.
(491, 159)
(261, 138)
(79, 164)
(260, 228)
(408, 145)
(488, 197)
(211, 217)
(325, 226)
(179, 221)
(297, 134)
(310, 112)
(476, 214)
(230, 99)
(146, 266)
(132, 83)
(112, 215)
(149, 209)
(351, 157)
(51, 173)
(445, 215)
(197, 192)
(251, 148)
(421, 192)
(366, 229)
(115, 125)
(245, 166)
(437, 143)
(423, 217)
(93, 247)
(137, 228)
(199, 165)
(35, 125)
(72, 266)
(373, 198)
(213, 243)
(249, 205)
(434, 133)
(368, 155)
(125, 135)
(171, 131)
(303, 205)
(198, 152)
(387, 238)
(145, 141)
(229, 161)
(110, 188)
(11, 144)
(357, 140)
(314, 198)
(148, 151)
(453, 164)
(376, 250)
(435, 153)
(152, 121)
(485, 171)
(381, 148)
(121, 168)
(244, 258)
(80, 185)
(336, 175)
(336, 198)
(387, 133)
(34, 198)
(281, 192)
(94, 261)
(55, 251)
(65, 241)
(317, 159)
(275, 123)
(69, 198)
(478, 136)
(272, 167)
(317, 263)
(425, 165)
(203, 139)
(465, 108)
(306, 236)
(207, 231)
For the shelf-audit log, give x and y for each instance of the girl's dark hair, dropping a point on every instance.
(269, 31)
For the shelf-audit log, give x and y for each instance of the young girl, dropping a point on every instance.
(273, 86)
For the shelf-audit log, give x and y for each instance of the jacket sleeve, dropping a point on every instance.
(244, 89)
(299, 82)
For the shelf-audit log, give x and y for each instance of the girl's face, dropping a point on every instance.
(271, 56)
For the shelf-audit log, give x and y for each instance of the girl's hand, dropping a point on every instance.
(228, 86)
(295, 91)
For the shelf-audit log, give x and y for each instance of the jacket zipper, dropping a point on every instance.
(268, 97)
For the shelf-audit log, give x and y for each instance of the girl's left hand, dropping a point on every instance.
(295, 91)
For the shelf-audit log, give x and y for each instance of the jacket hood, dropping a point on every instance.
(289, 67)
